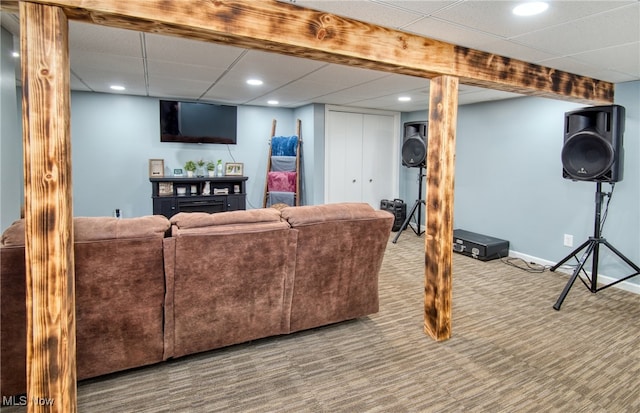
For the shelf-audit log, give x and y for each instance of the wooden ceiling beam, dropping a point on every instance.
(296, 31)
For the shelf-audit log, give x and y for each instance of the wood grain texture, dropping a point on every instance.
(292, 30)
(51, 367)
(443, 111)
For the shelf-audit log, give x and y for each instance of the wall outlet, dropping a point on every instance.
(568, 240)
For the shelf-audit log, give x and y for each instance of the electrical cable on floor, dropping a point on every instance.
(524, 265)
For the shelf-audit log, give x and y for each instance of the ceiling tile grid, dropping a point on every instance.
(599, 39)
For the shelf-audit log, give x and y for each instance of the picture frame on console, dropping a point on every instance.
(165, 188)
(234, 169)
(156, 168)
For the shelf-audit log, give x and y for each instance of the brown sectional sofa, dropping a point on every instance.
(218, 279)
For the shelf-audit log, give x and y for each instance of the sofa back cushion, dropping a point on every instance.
(317, 214)
(99, 229)
(339, 255)
(253, 220)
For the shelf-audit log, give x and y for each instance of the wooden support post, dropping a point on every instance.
(51, 334)
(443, 111)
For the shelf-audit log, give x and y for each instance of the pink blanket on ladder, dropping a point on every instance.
(282, 181)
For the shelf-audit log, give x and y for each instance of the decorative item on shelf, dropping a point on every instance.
(219, 167)
(234, 169)
(177, 172)
(165, 188)
(194, 190)
(221, 191)
(156, 168)
(190, 167)
(201, 164)
(181, 190)
(211, 169)
(206, 190)
(236, 189)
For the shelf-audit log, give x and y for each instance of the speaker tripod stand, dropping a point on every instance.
(592, 246)
(417, 206)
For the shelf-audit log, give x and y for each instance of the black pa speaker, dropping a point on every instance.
(592, 148)
(414, 144)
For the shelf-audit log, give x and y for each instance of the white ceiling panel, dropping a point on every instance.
(606, 29)
(92, 38)
(624, 59)
(450, 32)
(179, 70)
(273, 68)
(423, 8)
(496, 17)
(175, 49)
(101, 80)
(573, 65)
(373, 12)
(341, 76)
(514, 50)
(163, 86)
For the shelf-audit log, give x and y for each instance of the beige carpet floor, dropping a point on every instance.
(510, 352)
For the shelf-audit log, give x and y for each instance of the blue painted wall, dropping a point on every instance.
(508, 180)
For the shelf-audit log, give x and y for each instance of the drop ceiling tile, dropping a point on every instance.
(514, 50)
(273, 68)
(573, 65)
(100, 81)
(76, 84)
(449, 32)
(624, 58)
(175, 49)
(162, 86)
(178, 70)
(371, 12)
(340, 76)
(422, 8)
(84, 37)
(595, 32)
(106, 69)
(496, 17)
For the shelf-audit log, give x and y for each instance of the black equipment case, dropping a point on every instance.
(399, 210)
(481, 247)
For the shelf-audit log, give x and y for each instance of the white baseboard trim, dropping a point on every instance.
(624, 285)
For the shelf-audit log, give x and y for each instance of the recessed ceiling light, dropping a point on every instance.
(15, 54)
(117, 87)
(254, 82)
(530, 8)
(404, 99)
(272, 102)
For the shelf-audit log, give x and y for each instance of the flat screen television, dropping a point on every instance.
(197, 122)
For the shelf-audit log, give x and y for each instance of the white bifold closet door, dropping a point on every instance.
(361, 162)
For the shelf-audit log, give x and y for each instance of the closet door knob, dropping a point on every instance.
(354, 181)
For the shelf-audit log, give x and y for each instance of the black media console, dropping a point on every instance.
(178, 194)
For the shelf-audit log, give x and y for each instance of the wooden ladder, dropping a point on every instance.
(269, 165)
